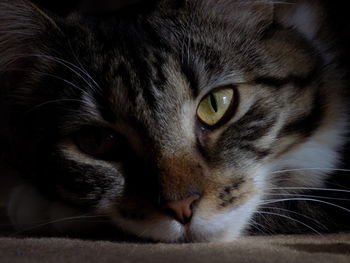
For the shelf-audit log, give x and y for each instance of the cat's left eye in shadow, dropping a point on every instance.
(98, 142)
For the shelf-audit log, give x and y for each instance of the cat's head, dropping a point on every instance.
(171, 119)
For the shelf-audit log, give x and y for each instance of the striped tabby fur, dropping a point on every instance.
(142, 71)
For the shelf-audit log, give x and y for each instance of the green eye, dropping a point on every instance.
(214, 107)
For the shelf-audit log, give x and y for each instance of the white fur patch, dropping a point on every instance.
(305, 20)
(226, 226)
(317, 157)
(162, 229)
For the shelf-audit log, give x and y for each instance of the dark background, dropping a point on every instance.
(64, 7)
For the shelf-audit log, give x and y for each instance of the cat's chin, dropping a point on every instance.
(220, 227)
(171, 231)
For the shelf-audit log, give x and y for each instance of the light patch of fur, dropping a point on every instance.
(162, 228)
(71, 152)
(224, 226)
(320, 154)
(305, 17)
(228, 226)
(187, 124)
(250, 12)
(90, 107)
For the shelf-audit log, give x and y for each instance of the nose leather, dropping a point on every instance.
(182, 209)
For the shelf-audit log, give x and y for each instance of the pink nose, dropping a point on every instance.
(182, 209)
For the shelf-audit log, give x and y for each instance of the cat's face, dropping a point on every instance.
(171, 121)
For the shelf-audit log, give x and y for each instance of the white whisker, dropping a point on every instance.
(295, 213)
(312, 196)
(310, 169)
(73, 68)
(272, 201)
(57, 221)
(293, 219)
(310, 188)
(260, 227)
(52, 101)
(82, 67)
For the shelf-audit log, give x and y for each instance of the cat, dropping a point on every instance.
(174, 121)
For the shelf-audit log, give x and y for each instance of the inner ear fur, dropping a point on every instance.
(306, 16)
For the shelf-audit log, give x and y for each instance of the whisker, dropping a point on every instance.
(310, 188)
(69, 65)
(82, 67)
(57, 221)
(312, 196)
(73, 68)
(295, 213)
(310, 169)
(272, 201)
(293, 219)
(52, 101)
(81, 70)
(66, 81)
(260, 227)
(147, 230)
(59, 100)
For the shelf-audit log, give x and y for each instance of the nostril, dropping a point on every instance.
(182, 209)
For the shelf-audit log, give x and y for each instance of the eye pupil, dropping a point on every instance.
(213, 103)
(218, 106)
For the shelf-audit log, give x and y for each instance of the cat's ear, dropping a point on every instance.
(107, 6)
(22, 24)
(252, 14)
(306, 16)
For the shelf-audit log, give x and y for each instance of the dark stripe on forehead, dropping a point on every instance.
(208, 55)
(159, 79)
(124, 74)
(153, 37)
(298, 81)
(144, 74)
(188, 69)
(144, 49)
(306, 124)
(142, 70)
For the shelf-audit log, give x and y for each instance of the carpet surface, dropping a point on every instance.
(329, 248)
(287, 249)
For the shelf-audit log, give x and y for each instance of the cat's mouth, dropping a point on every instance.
(171, 231)
(206, 224)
